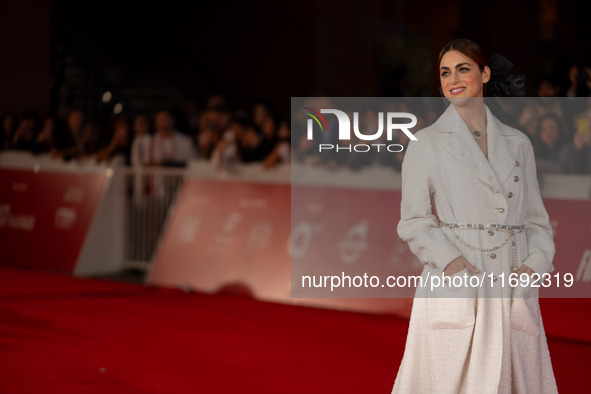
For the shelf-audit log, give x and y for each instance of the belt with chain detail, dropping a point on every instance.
(510, 229)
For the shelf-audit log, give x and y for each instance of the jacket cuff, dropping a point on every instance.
(444, 254)
(538, 264)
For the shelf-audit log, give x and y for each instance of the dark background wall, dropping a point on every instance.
(25, 67)
(150, 56)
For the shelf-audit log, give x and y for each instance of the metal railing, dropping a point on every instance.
(149, 195)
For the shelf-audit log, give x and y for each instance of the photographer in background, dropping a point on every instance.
(580, 81)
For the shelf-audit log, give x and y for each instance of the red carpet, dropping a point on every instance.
(70, 335)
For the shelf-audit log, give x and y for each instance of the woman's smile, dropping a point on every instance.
(456, 91)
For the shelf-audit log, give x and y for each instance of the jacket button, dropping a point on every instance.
(501, 210)
(516, 163)
(516, 178)
(510, 194)
(493, 256)
(495, 278)
(491, 233)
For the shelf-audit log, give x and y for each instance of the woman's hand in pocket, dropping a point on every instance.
(524, 269)
(459, 264)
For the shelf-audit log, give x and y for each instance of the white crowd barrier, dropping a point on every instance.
(148, 193)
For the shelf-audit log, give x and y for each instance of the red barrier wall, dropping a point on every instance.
(45, 216)
(236, 234)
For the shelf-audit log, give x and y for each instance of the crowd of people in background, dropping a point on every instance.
(217, 134)
(558, 123)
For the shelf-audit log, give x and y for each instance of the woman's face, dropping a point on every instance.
(460, 76)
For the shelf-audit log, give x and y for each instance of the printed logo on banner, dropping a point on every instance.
(189, 229)
(344, 130)
(257, 203)
(354, 243)
(65, 218)
(20, 187)
(15, 221)
(225, 242)
(260, 234)
(21, 222)
(300, 238)
(74, 194)
(231, 222)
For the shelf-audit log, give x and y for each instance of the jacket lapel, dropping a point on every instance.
(502, 147)
(459, 142)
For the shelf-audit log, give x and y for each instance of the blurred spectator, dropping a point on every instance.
(120, 141)
(170, 147)
(140, 148)
(68, 141)
(218, 103)
(537, 108)
(45, 140)
(9, 122)
(576, 156)
(140, 157)
(26, 131)
(192, 115)
(249, 143)
(217, 115)
(281, 153)
(268, 137)
(248, 139)
(307, 149)
(212, 125)
(206, 140)
(89, 144)
(260, 114)
(545, 87)
(580, 81)
(76, 122)
(548, 144)
(225, 154)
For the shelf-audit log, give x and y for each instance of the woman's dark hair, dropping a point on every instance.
(468, 48)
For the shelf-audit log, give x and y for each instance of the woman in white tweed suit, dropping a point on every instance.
(471, 169)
